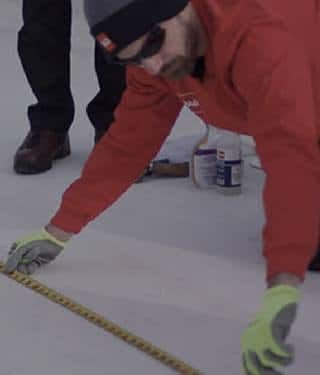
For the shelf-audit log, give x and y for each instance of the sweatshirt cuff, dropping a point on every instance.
(68, 221)
(293, 264)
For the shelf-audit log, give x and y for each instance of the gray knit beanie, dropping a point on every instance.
(117, 23)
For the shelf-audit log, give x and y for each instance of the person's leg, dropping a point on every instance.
(44, 51)
(111, 80)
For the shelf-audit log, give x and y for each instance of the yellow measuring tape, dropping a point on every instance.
(98, 320)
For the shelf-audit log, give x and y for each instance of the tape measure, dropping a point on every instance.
(100, 321)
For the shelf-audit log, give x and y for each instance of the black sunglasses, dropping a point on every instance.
(150, 47)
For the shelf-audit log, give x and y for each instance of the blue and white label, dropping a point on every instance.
(204, 162)
(229, 168)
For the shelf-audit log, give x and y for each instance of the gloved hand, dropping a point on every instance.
(264, 347)
(30, 252)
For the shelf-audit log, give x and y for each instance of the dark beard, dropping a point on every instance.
(178, 68)
(182, 66)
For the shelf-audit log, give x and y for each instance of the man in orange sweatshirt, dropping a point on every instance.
(254, 67)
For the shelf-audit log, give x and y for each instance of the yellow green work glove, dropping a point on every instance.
(264, 347)
(31, 252)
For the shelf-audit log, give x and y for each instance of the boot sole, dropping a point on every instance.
(26, 168)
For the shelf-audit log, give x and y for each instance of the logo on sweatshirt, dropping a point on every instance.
(106, 42)
(191, 102)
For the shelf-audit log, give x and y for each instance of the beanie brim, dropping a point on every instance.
(133, 21)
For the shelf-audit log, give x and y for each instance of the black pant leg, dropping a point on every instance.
(112, 83)
(44, 50)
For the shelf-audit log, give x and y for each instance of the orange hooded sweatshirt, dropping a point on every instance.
(262, 78)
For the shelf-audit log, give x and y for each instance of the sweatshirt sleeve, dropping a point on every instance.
(144, 119)
(273, 76)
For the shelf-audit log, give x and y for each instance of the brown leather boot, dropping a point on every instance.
(38, 150)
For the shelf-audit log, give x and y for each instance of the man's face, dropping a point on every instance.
(175, 50)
